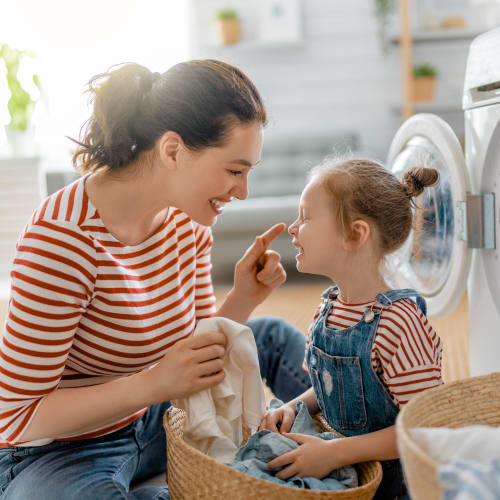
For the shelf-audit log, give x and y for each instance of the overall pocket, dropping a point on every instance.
(341, 386)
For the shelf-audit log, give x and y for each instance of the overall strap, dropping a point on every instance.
(391, 296)
(331, 292)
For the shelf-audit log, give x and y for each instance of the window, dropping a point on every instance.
(75, 40)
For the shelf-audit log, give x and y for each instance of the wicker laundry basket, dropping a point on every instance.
(193, 475)
(471, 401)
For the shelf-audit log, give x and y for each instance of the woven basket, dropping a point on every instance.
(472, 401)
(193, 475)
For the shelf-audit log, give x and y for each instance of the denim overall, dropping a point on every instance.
(350, 394)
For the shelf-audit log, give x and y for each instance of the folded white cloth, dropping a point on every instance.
(470, 458)
(215, 416)
(480, 443)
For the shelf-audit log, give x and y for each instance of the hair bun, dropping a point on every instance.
(415, 179)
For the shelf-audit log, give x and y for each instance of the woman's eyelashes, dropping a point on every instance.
(235, 172)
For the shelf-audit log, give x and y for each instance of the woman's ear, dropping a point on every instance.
(169, 146)
(359, 234)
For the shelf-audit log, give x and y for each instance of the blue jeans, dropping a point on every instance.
(106, 467)
(91, 469)
(281, 349)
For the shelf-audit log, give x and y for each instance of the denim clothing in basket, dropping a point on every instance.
(264, 446)
(350, 394)
(92, 469)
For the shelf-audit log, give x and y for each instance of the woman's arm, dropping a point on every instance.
(189, 366)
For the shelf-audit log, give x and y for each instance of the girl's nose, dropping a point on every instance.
(291, 228)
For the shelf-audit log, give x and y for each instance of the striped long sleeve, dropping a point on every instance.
(85, 308)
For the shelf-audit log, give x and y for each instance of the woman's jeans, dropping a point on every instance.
(91, 469)
(105, 468)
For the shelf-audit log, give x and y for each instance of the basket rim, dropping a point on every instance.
(402, 427)
(249, 478)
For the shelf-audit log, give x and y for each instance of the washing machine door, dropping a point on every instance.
(435, 260)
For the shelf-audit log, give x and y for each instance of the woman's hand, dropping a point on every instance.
(259, 271)
(283, 416)
(190, 365)
(315, 457)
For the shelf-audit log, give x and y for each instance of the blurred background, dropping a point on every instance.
(336, 77)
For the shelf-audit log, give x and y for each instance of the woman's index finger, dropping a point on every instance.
(271, 234)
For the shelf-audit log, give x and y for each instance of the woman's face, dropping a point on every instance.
(210, 178)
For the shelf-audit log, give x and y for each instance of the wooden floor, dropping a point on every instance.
(296, 301)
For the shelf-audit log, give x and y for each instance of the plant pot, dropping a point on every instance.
(20, 143)
(229, 31)
(424, 88)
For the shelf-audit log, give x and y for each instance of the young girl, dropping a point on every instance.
(369, 348)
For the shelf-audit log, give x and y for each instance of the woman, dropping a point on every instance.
(109, 280)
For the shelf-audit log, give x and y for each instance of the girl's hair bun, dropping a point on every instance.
(415, 179)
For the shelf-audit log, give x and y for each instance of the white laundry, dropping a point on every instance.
(480, 443)
(215, 416)
(469, 458)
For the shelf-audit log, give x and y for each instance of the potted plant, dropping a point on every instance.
(228, 24)
(21, 103)
(22, 183)
(383, 11)
(424, 86)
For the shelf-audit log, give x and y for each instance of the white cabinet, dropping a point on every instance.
(22, 187)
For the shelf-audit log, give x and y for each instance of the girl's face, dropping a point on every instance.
(208, 179)
(316, 235)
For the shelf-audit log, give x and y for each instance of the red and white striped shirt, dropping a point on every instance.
(86, 309)
(406, 352)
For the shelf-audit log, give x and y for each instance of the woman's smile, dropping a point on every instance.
(218, 205)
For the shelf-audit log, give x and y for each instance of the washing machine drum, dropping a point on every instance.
(435, 259)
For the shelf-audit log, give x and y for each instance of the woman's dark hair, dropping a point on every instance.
(201, 100)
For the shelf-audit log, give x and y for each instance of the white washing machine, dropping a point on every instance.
(453, 244)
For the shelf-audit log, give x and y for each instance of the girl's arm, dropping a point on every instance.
(284, 416)
(316, 457)
(378, 445)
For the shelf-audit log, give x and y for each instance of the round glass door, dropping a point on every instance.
(434, 259)
(424, 261)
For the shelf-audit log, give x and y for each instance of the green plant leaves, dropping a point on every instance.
(20, 104)
(423, 70)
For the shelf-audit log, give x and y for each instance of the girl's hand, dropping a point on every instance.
(259, 271)
(283, 416)
(190, 365)
(315, 457)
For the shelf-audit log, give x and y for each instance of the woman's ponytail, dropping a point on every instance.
(109, 137)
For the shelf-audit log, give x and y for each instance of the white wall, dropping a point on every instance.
(338, 79)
